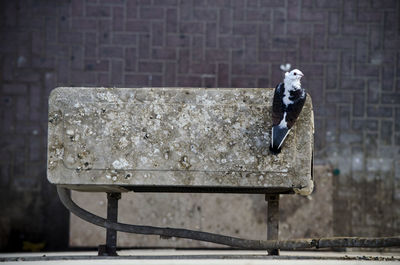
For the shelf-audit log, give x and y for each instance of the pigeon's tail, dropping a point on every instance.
(277, 137)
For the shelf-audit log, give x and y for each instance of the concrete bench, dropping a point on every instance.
(175, 140)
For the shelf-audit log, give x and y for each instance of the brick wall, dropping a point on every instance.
(348, 50)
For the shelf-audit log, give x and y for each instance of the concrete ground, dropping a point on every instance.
(209, 257)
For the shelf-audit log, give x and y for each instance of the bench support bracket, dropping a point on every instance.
(273, 220)
(110, 248)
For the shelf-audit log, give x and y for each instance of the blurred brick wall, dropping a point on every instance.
(348, 50)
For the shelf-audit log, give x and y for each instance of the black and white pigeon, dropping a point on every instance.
(289, 98)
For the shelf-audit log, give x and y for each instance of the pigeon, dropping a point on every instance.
(289, 98)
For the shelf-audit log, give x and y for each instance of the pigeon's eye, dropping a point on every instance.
(295, 74)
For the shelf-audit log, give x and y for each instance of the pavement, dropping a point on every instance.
(209, 257)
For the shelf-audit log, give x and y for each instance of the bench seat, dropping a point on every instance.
(174, 140)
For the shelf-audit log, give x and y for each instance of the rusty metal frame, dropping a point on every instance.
(273, 220)
(110, 248)
(295, 244)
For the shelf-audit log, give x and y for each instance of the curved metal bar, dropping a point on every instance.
(227, 240)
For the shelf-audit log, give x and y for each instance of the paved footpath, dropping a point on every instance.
(209, 257)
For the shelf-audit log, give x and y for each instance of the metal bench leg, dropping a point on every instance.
(273, 220)
(110, 248)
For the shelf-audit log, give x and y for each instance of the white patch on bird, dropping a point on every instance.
(272, 136)
(283, 139)
(292, 83)
(283, 123)
(285, 98)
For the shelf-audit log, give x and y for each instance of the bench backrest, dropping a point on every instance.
(174, 139)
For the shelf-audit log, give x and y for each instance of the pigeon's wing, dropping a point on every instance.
(277, 105)
(293, 110)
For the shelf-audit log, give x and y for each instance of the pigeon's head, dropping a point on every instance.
(294, 75)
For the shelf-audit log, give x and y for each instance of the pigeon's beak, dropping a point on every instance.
(301, 75)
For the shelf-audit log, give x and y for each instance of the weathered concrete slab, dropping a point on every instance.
(101, 138)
